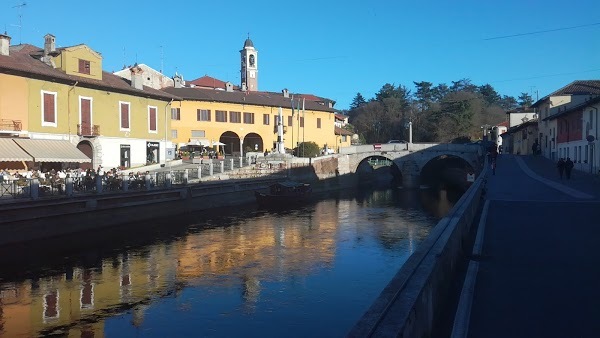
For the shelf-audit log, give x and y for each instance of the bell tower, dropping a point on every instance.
(249, 66)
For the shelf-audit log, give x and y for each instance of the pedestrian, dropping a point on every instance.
(568, 167)
(534, 148)
(561, 167)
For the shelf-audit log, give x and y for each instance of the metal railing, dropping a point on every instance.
(88, 130)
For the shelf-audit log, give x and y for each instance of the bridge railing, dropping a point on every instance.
(451, 147)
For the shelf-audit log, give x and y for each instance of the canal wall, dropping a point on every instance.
(417, 297)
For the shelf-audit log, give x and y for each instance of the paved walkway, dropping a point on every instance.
(536, 265)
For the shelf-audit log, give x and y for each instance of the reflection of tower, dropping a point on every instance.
(138, 315)
(251, 291)
(249, 67)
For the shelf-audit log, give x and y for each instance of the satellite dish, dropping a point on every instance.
(590, 138)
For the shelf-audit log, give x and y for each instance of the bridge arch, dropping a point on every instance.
(446, 171)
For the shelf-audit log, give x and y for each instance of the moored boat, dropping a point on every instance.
(284, 193)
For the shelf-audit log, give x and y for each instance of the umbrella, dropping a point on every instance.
(218, 144)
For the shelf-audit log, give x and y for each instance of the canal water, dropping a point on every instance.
(307, 271)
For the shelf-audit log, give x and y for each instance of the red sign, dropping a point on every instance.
(377, 146)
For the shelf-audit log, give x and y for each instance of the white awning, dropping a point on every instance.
(198, 142)
(11, 152)
(52, 151)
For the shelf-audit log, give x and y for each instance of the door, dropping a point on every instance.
(125, 155)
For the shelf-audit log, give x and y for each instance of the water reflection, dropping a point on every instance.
(270, 273)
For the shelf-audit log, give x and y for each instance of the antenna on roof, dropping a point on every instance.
(20, 25)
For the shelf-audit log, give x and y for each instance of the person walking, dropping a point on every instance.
(568, 167)
(561, 167)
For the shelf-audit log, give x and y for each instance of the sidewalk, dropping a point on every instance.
(537, 273)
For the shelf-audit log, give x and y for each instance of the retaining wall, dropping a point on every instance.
(411, 304)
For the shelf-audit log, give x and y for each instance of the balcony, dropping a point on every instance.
(10, 126)
(88, 130)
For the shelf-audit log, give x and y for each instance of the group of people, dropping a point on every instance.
(565, 167)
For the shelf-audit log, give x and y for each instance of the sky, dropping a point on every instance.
(333, 49)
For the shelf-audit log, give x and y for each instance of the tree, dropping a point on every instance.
(358, 101)
(463, 85)
(424, 95)
(307, 149)
(508, 103)
(489, 94)
(439, 92)
(525, 100)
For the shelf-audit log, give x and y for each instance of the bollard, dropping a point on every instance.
(210, 168)
(69, 186)
(232, 164)
(222, 163)
(34, 188)
(124, 183)
(186, 176)
(147, 181)
(168, 180)
(241, 162)
(98, 184)
(199, 171)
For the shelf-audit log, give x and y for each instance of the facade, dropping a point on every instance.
(577, 134)
(519, 139)
(63, 95)
(572, 95)
(247, 121)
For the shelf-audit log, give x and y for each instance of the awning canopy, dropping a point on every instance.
(52, 151)
(198, 142)
(11, 152)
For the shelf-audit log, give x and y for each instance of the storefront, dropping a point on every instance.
(152, 152)
(125, 161)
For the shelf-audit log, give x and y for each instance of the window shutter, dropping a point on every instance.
(81, 66)
(124, 116)
(49, 108)
(153, 119)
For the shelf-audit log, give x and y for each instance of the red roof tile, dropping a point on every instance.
(207, 82)
(23, 60)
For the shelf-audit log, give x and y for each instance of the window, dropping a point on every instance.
(249, 118)
(266, 118)
(302, 122)
(176, 114)
(290, 121)
(276, 119)
(198, 133)
(235, 117)
(318, 122)
(48, 109)
(202, 115)
(152, 119)
(84, 67)
(220, 116)
(124, 114)
(344, 138)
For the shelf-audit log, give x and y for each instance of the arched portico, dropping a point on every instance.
(231, 141)
(88, 149)
(253, 142)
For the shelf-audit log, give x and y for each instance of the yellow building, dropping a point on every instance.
(244, 119)
(62, 96)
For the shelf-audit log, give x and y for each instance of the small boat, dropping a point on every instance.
(283, 194)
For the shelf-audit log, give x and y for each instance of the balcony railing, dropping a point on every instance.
(88, 130)
(10, 125)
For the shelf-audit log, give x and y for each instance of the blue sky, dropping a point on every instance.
(335, 48)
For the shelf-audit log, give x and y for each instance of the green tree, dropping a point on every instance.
(440, 91)
(424, 95)
(525, 100)
(307, 149)
(358, 101)
(489, 94)
(508, 102)
(463, 85)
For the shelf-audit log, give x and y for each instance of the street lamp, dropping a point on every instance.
(409, 126)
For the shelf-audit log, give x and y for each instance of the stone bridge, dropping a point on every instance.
(410, 158)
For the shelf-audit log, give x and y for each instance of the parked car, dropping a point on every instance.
(397, 141)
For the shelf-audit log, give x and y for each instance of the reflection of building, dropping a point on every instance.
(63, 94)
(245, 119)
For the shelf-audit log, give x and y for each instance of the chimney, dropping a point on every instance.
(4, 44)
(229, 86)
(49, 44)
(137, 79)
(285, 92)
